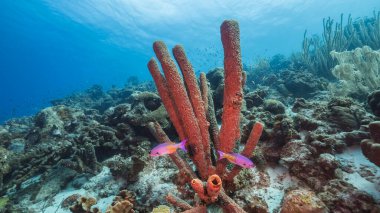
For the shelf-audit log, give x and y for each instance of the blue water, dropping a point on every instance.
(51, 48)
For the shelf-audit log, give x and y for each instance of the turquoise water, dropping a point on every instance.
(49, 49)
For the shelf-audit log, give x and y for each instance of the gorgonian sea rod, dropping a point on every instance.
(189, 108)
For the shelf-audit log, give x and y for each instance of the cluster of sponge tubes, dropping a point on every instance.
(190, 109)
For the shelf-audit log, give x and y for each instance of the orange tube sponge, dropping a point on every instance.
(195, 99)
(210, 193)
(233, 94)
(198, 186)
(253, 139)
(183, 105)
(165, 97)
(250, 146)
(204, 89)
(176, 201)
(228, 204)
(213, 186)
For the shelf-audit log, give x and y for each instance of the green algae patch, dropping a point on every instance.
(3, 202)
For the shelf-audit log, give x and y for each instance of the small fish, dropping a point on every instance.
(168, 148)
(236, 159)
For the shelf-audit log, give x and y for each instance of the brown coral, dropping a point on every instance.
(121, 207)
(302, 200)
(371, 147)
(84, 204)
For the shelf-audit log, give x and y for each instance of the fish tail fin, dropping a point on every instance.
(182, 145)
(221, 155)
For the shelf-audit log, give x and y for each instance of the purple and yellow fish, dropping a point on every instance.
(168, 148)
(236, 159)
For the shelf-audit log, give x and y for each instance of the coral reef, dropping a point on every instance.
(300, 84)
(76, 137)
(342, 196)
(302, 200)
(154, 183)
(274, 106)
(344, 113)
(122, 203)
(96, 99)
(371, 147)
(289, 79)
(84, 204)
(374, 102)
(304, 140)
